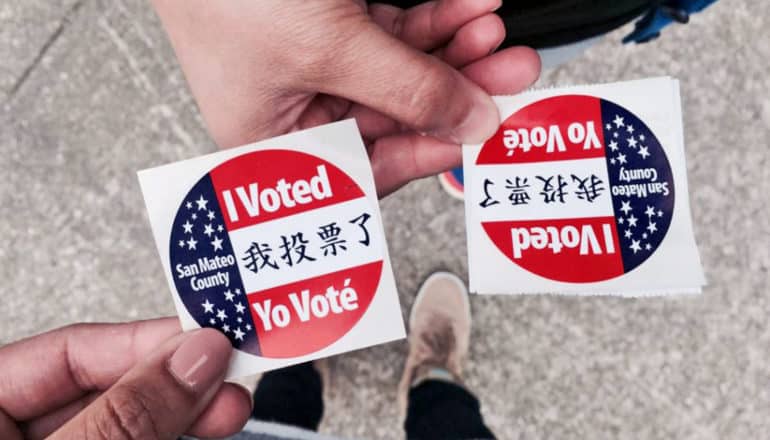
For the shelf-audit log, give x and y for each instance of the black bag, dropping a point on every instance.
(549, 23)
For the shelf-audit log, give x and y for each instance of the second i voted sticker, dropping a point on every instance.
(583, 190)
(279, 245)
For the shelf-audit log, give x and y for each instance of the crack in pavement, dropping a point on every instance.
(44, 49)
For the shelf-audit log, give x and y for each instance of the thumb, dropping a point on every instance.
(379, 71)
(160, 397)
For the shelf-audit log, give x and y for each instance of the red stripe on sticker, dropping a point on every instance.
(270, 184)
(558, 128)
(303, 317)
(577, 250)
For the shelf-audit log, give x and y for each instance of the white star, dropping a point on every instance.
(217, 243)
(248, 327)
(613, 145)
(631, 142)
(187, 227)
(632, 220)
(201, 203)
(618, 121)
(615, 134)
(237, 291)
(239, 308)
(652, 227)
(643, 152)
(660, 213)
(208, 230)
(635, 246)
(641, 137)
(181, 243)
(210, 215)
(647, 246)
(239, 334)
(625, 206)
(650, 211)
(212, 321)
(191, 243)
(622, 158)
(612, 161)
(620, 220)
(221, 314)
(188, 205)
(194, 216)
(226, 328)
(630, 129)
(608, 126)
(208, 307)
(220, 228)
(644, 236)
(239, 319)
(229, 296)
(628, 233)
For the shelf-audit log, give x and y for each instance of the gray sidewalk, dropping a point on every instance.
(90, 92)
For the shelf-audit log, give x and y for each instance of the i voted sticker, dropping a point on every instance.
(575, 189)
(282, 249)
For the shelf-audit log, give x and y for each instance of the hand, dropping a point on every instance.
(263, 68)
(141, 380)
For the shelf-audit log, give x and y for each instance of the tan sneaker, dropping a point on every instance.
(439, 333)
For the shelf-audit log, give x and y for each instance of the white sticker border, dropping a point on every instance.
(339, 143)
(675, 267)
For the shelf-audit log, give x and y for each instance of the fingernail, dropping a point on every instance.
(496, 6)
(201, 361)
(480, 123)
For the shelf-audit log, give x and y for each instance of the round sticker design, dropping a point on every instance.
(284, 260)
(575, 188)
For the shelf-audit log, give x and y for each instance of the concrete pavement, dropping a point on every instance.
(90, 92)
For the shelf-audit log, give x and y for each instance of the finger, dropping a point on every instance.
(161, 397)
(43, 426)
(8, 428)
(322, 110)
(373, 124)
(473, 41)
(506, 72)
(376, 70)
(430, 24)
(225, 415)
(503, 73)
(72, 361)
(231, 399)
(399, 159)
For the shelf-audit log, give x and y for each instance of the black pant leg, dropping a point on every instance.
(442, 410)
(291, 396)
